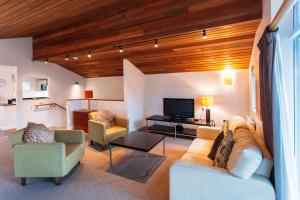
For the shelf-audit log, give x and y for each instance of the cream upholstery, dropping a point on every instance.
(99, 134)
(245, 156)
(195, 178)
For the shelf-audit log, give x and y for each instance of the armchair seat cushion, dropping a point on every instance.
(115, 132)
(72, 148)
(74, 153)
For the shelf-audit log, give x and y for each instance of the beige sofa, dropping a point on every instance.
(99, 134)
(195, 178)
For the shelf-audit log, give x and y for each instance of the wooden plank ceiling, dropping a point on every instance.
(71, 28)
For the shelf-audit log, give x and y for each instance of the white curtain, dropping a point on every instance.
(285, 168)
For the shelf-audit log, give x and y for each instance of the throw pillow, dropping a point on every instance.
(38, 133)
(106, 117)
(215, 146)
(246, 156)
(224, 150)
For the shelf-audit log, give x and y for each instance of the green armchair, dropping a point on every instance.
(99, 134)
(47, 160)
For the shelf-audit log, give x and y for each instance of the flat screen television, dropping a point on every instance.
(179, 108)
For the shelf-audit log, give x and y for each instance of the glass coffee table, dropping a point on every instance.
(139, 141)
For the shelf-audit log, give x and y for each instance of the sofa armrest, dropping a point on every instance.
(39, 160)
(97, 131)
(195, 181)
(121, 121)
(208, 133)
(69, 136)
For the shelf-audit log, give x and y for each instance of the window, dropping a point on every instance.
(296, 38)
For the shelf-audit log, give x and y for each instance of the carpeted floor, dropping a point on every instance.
(90, 180)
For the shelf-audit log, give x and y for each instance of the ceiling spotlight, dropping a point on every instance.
(204, 36)
(89, 54)
(46, 60)
(75, 57)
(67, 57)
(156, 43)
(120, 49)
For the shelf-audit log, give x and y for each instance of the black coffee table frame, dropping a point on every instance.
(139, 141)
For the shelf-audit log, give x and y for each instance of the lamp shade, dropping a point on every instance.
(88, 94)
(207, 101)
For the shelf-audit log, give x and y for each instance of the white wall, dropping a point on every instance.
(134, 95)
(106, 87)
(229, 100)
(7, 91)
(7, 117)
(18, 52)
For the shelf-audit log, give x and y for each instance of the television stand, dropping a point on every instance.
(179, 127)
(174, 126)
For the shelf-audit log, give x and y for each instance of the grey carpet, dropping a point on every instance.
(89, 180)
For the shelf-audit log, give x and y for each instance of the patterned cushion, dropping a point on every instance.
(215, 146)
(38, 133)
(106, 117)
(224, 149)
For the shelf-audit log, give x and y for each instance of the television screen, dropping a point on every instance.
(181, 108)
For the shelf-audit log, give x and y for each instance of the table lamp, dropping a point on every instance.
(206, 102)
(88, 94)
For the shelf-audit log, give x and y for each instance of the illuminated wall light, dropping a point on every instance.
(89, 54)
(227, 76)
(46, 60)
(120, 49)
(156, 44)
(204, 36)
(67, 58)
(75, 58)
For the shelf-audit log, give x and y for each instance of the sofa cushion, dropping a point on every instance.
(115, 132)
(266, 164)
(245, 156)
(197, 158)
(71, 148)
(224, 150)
(215, 146)
(200, 147)
(106, 117)
(38, 133)
(74, 153)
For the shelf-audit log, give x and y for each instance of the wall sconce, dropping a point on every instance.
(227, 80)
(76, 83)
(227, 76)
